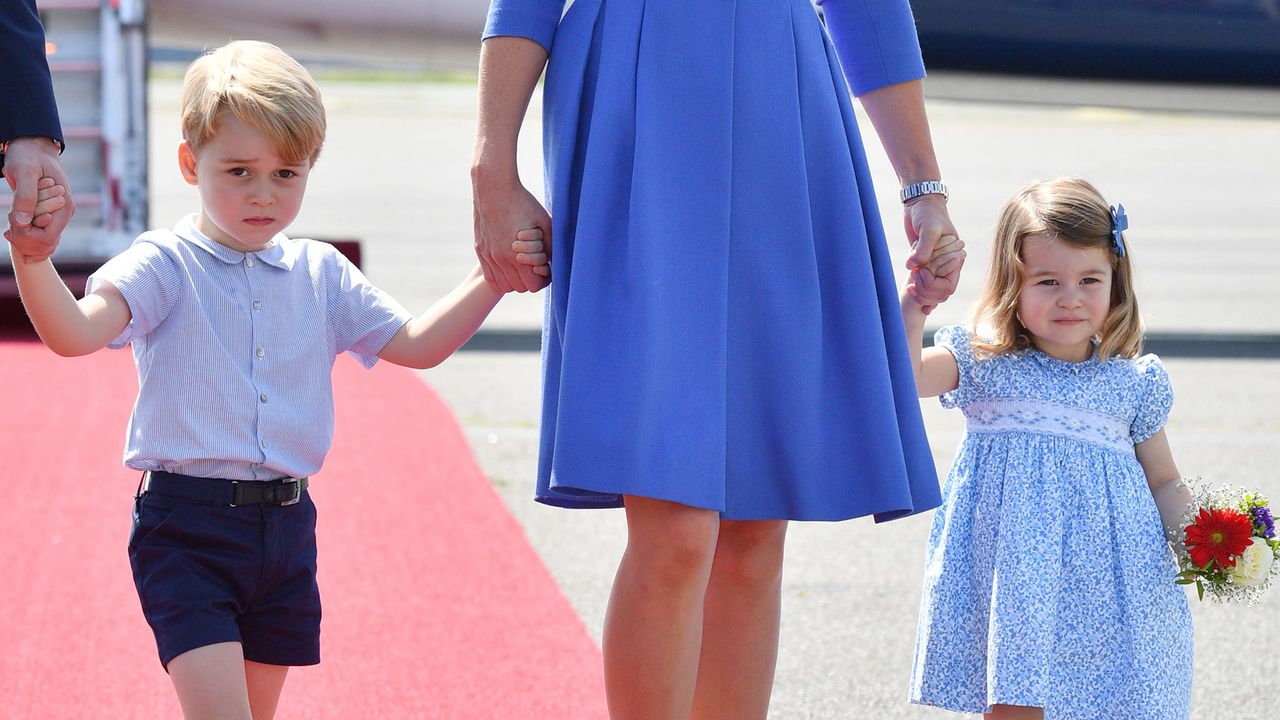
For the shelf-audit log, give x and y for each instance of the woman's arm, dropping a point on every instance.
(898, 114)
(509, 70)
(1172, 496)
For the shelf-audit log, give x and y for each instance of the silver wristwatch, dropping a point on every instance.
(928, 187)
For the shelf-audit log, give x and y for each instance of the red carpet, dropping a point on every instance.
(435, 605)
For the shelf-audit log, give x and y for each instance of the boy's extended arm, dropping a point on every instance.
(1172, 496)
(68, 326)
(426, 340)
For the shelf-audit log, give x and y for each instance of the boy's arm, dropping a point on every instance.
(69, 327)
(1172, 496)
(426, 340)
(935, 368)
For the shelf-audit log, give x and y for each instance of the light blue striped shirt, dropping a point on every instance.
(235, 351)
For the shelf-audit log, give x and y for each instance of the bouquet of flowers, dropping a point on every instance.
(1228, 546)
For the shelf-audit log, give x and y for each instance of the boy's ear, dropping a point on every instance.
(187, 163)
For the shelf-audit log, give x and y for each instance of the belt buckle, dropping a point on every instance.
(297, 491)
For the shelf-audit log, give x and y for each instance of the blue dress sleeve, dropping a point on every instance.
(1155, 398)
(536, 20)
(876, 41)
(956, 340)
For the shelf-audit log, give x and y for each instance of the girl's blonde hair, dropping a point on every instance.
(264, 88)
(1073, 211)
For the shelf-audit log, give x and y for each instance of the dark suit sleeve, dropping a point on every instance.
(27, 105)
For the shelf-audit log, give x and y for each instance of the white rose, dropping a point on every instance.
(1254, 564)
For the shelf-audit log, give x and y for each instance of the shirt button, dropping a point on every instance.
(264, 444)
(260, 353)
(263, 397)
(257, 304)
(248, 262)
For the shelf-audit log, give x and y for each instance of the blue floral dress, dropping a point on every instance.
(1048, 581)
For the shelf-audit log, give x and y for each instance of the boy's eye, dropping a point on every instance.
(286, 174)
(239, 172)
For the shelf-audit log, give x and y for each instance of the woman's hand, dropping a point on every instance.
(937, 252)
(504, 212)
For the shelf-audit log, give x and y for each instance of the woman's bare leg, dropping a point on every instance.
(653, 628)
(743, 609)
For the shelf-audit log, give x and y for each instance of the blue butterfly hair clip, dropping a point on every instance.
(1119, 223)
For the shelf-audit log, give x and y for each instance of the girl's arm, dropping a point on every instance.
(68, 326)
(427, 340)
(509, 70)
(935, 368)
(1172, 496)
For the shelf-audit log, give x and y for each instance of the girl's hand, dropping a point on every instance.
(502, 211)
(531, 252)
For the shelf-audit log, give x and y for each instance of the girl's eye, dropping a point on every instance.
(1091, 281)
(1048, 282)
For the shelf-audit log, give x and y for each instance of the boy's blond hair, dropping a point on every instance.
(264, 88)
(1072, 210)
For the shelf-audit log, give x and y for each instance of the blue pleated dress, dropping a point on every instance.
(722, 327)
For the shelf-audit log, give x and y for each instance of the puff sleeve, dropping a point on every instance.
(957, 339)
(876, 41)
(1155, 398)
(536, 20)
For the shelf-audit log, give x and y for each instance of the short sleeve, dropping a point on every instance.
(362, 318)
(1155, 398)
(536, 20)
(151, 282)
(875, 40)
(957, 340)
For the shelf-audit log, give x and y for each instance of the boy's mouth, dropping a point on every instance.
(259, 221)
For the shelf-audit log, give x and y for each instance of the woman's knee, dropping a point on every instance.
(749, 553)
(672, 543)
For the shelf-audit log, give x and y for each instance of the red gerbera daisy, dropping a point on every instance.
(1220, 535)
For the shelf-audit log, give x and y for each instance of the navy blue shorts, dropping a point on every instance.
(209, 574)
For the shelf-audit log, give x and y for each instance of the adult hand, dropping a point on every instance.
(926, 220)
(501, 211)
(27, 160)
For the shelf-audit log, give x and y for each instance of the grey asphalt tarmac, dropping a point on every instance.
(1195, 167)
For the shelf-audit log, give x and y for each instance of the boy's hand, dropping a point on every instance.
(50, 198)
(530, 250)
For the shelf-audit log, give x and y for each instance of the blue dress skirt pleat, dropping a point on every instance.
(722, 326)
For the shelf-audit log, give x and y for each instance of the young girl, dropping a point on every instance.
(1048, 587)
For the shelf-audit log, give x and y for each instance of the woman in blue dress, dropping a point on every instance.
(723, 349)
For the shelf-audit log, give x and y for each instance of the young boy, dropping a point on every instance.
(235, 329)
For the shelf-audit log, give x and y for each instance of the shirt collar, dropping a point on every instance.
(274, 255)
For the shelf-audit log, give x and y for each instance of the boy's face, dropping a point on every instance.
(247, 192)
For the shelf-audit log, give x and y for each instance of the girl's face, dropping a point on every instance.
(1065, 295)
(247, 192)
